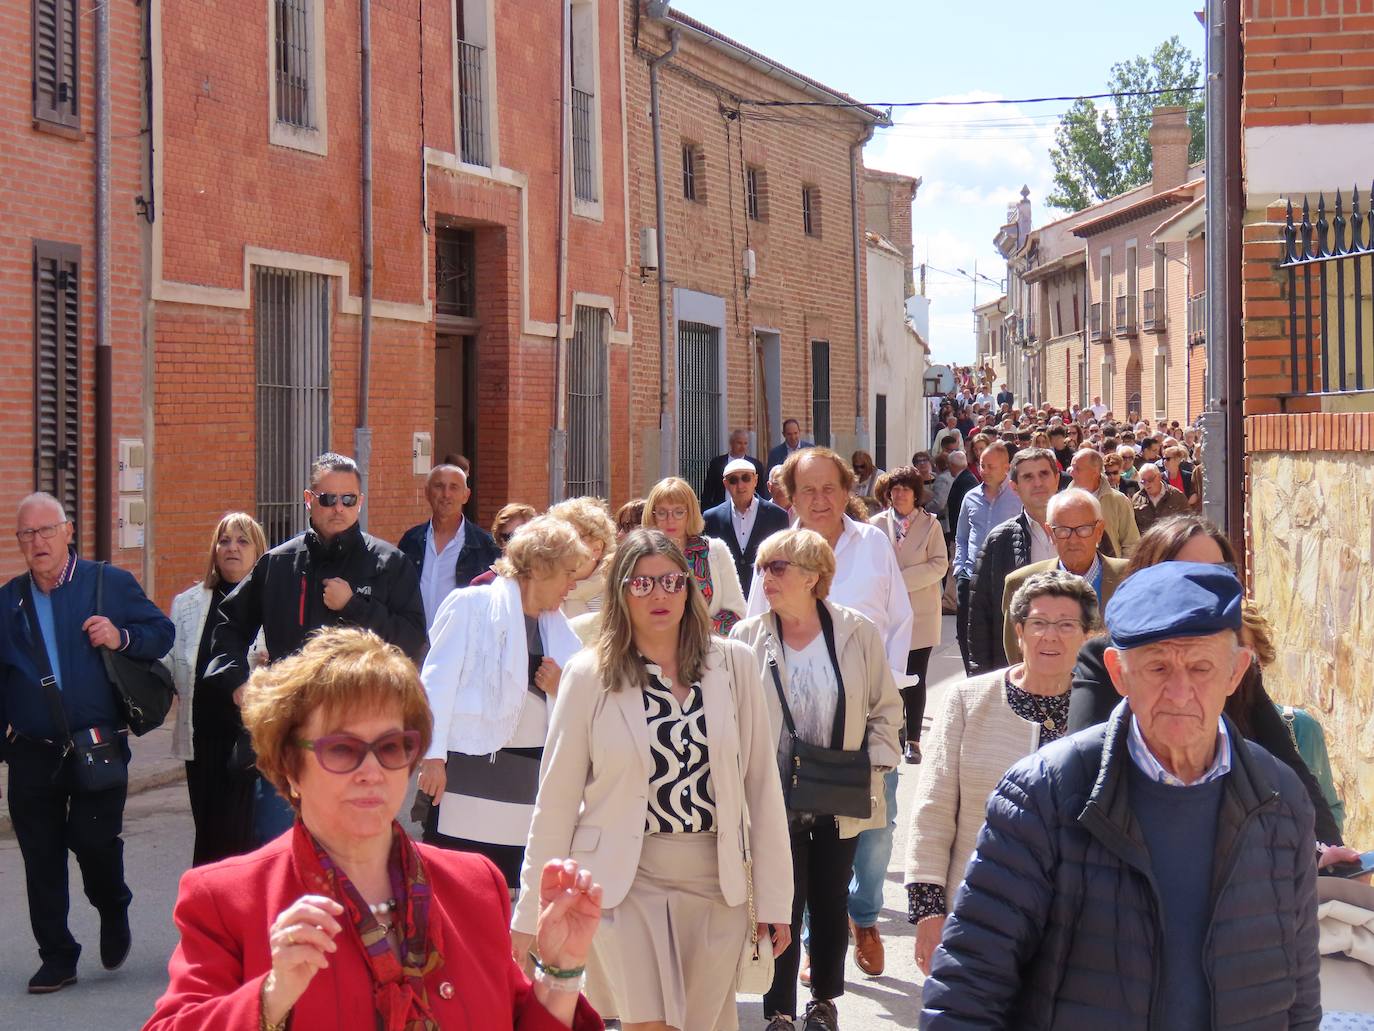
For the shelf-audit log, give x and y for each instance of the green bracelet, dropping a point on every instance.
(559, 973)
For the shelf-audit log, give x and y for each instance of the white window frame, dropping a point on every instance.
(586, 56)
(479, 20)
(282, 134)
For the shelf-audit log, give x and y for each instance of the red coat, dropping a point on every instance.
(223, 912)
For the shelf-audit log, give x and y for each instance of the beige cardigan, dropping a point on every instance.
(871, 702)
(974, 741)
(923, 558)
(594, 785)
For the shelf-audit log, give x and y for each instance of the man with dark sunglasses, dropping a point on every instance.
(712, 487)
(744, 520)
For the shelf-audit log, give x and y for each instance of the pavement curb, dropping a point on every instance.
(148, 780)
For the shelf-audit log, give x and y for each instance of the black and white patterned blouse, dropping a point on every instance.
(681, 796)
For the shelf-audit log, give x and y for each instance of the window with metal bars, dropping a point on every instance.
(880, 431)
(699, 399)
(586, 145)
(293, 42)
(57, 372)
(820, 391)
(693, 172)
(56, 61)
(455, 272)
(291, 327)
(754, 193)
(588, 405)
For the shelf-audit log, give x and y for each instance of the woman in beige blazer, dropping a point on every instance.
(658, 742)
(985, 724)
(819, 653)
(923, 558)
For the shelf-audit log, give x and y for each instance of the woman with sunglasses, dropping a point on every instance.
(659, 745)
(495, 658)
(345, 923)
(509, 519)
(672, 508)
(830, 664)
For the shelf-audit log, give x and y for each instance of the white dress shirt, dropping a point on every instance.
(1042, 544)
(744, 521)
(439, 575)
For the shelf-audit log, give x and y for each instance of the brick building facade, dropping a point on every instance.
(48, 275)
(751, 342)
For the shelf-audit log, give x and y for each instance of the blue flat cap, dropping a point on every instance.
(1173, 599)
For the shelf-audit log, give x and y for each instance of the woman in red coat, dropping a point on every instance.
(344, 922)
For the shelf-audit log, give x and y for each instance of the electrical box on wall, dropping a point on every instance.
(133, 516)
(421, 453)
(132, 459)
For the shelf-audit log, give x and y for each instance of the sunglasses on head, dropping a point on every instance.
(330, 499)
(643, 586)
(344, 753)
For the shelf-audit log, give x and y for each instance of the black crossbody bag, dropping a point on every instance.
(143, 687)
(98, 752)
(825, 781)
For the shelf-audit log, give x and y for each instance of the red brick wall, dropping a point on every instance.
(49, 191)
(1308, 62)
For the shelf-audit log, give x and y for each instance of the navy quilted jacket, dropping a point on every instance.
(1057, 926)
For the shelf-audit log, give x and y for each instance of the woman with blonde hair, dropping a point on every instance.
(660, 774)
(592, 520)
(207, 722)
(496, 654)
(672, 508)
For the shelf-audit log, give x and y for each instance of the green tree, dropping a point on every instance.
(1100, 152)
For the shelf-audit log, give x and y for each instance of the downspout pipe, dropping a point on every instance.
(666, 465)
(362, 433)
(558, 434)
(104, 356)
(860, 345)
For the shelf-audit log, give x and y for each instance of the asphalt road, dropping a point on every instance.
(158, 833)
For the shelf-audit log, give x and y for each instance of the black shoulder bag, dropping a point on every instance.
(825, 781)
(99, 754)
(143, 688)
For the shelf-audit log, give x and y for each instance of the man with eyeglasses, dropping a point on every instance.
(1074, 520)
(745, 520)
(1122, 533)
(447, 550)
(51, 640)
(712, 490)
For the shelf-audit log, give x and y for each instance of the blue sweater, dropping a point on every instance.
(88, 697)
(1180, 830)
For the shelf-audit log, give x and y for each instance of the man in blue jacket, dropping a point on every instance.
(743, 520)
(448, 550)
(48, 622)
(1155, 871)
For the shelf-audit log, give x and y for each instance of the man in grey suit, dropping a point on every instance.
(744, 520)
(791, 441)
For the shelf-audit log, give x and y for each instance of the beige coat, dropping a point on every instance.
(871, 702)
(923, 558)
(1119, 516)
(594, 785)
(973, 742)
(1113, 572)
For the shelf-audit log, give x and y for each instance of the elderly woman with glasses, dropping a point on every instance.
(985, 724)
(495, 658)
(660, 775)
(672, 509)
(1112, 467)
(828, 684)
(345, 922)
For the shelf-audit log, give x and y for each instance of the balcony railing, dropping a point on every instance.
(1152, 315)
(1197, 319)
(1095, 329)
(1125, 315)
(583, 124)
(472, 137)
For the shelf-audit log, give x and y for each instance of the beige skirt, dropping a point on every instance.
(671, 950)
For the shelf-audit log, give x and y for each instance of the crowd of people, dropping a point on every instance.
(655, 751)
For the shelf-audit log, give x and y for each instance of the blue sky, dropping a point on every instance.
(973, 161)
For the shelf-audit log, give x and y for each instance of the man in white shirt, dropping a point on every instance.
(448, 551)
(1097, 407)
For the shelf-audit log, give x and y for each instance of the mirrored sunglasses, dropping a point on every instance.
(643, 586)
(344, 753)
(329, 500)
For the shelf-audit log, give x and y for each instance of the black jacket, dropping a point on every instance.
(1006, 550)
(769, 520)
(1057, 924)
(478, 553)
(1092, 699)
(284, 596)
(713, 487)
(963, 483)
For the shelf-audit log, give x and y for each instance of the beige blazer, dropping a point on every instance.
(1113, 572)
(974, 741)
(871, 701)
(923, 558)
(594, 785)
(1119, 516)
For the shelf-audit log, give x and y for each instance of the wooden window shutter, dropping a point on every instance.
(56, 62)
(57, 372)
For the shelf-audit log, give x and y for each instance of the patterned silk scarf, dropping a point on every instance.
(398, 985)
(698, 555)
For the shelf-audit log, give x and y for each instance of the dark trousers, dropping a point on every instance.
(822, 863)
(961, 627)
(221, 802)
(50, 818)
(914, 698)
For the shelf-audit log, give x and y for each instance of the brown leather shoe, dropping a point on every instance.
(868, 949)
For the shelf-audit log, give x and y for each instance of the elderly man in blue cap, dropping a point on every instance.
(1155, 872)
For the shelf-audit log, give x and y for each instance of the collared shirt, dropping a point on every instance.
(439, 575)
(1093, 575)
(1150, 766)
(744, 521)
(1042, 547)
(977, 517)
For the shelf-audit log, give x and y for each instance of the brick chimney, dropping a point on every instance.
(1169, 138)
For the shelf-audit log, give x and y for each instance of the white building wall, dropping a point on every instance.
(896, 360)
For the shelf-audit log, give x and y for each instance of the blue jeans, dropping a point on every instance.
(870, 862)
(272, 814)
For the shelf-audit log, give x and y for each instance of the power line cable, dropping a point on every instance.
(968, 103)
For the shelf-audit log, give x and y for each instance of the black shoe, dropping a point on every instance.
(115, 939)
(821, 1016)
(51, 977)
(912, 754)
